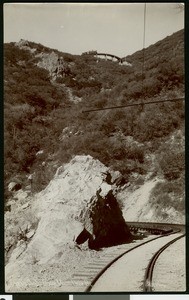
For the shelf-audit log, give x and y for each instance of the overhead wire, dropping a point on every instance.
(143, 102)
(143, 65)
(143, 61)
(143, 71)
(133, 104)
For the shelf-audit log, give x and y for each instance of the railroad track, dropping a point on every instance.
(90, 274)
(149, 271)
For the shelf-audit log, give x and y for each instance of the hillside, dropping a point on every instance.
(40, 114)
(67, 172)
(45, 126)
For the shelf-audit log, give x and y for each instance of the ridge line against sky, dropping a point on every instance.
(74, 28)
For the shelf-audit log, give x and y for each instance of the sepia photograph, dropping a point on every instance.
(94, 148)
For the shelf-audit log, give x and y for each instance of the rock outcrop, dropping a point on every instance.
(77, 211)
(79, 199)
(77, 205)
(24, 44)
(14, 186)
(56, 65)
(47, 61)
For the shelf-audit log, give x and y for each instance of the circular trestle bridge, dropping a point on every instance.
(107, 56)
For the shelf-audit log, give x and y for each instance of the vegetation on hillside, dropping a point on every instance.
(38, 114)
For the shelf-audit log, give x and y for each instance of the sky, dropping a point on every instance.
(115, 28)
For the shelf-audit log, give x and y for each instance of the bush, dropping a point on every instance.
(169, 195)
(37, 110)
(172, 164)
(135, 153)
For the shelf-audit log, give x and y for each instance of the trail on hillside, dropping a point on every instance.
(136, 203)
(71, 97)
(138, 207)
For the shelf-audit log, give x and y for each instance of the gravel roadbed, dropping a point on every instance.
(127, 274)
(169, 271)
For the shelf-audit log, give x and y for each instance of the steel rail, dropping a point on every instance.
(133, 104)
(89, 287)
(147, 287)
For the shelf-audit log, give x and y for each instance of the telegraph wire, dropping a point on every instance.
(142, 103)
(143, 62)
(133, 104)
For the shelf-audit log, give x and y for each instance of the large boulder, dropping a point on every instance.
(80, 201)
(77, 205)
(77, 212)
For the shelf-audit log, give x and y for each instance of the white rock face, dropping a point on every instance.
(48, 61)
(59, 207)
(77, 196)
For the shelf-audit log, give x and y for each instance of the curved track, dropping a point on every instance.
(113, 261)
(150, 268)
(163, 229)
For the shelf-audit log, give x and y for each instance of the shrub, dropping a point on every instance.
(169, 195)
(37, 110)
(172, 164)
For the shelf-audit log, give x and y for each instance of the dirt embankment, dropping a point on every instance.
(138, 205)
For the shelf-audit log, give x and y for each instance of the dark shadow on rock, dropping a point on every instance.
(104, 223)
(120, 181)
(83, 237)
